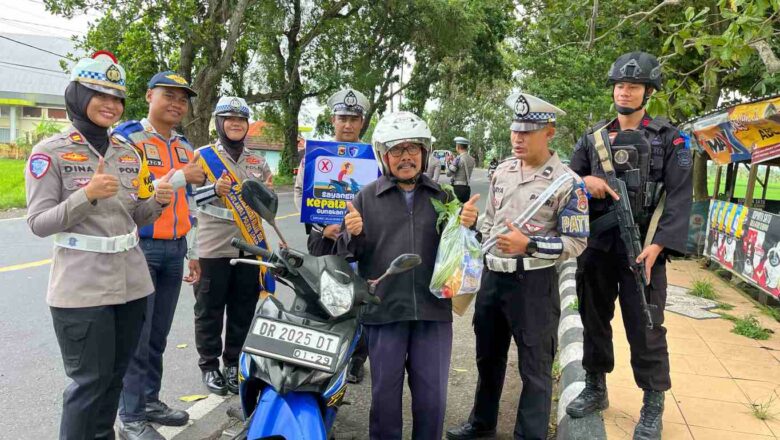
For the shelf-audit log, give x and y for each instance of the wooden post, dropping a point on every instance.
(716, 191)
(751, 185)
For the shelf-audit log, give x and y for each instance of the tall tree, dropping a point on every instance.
(196, 38)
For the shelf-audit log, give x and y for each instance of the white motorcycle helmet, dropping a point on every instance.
(397, 128)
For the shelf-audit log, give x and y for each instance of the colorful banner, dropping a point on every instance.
(743, 132)
(747, 242)
(334, 172)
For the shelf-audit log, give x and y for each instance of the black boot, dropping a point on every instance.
(650, 424)
(467, 431)
(215, 382)
(355, 373)
(592, 398)
(231, 378)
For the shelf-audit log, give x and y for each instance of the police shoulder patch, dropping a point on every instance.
(684, 159)
(39, 165)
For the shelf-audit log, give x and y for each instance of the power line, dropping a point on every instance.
(33, 67)
(40, 25)
(34, 47)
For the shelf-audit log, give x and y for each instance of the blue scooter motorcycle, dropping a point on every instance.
(293, 366)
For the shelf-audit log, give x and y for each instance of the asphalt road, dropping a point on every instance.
(32, 376)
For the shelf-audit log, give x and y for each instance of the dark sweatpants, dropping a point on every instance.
(96, 344)
(225, 293)
(421, 348)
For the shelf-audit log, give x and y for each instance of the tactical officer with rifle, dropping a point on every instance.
(638, 172)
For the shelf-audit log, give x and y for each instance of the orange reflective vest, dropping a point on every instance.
(161, 156)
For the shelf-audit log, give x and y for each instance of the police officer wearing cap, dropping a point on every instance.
(225, 293)
(518, 297)
(347, 107)
(661, 205)
(86, 189)
(165, 246)
(460, 169)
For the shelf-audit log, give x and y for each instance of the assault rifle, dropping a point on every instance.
(629, 230)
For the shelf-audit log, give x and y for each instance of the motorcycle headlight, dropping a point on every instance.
(336, 297)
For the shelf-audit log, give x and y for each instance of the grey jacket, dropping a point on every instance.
(389, 230)
(460, 169)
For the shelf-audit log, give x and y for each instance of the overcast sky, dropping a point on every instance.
(31, 17)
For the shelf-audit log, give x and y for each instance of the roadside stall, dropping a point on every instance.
(742, 228)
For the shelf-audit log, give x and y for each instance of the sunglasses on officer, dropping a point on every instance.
(398, 151)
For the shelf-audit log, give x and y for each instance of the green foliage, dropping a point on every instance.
(575, 305)
(770, 311)
(703, 289)
(763, 410)
(749, 327)
(12, 184)
(724, 306)
(42, 130)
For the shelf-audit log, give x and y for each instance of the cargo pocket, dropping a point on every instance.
(656, 292)
(72, 337)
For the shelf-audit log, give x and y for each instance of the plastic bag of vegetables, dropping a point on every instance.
(458, 267)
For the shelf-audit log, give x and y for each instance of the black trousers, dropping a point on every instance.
(601, 278)
(526, 306)
(462, 192)
(96, 344)
(225, 293)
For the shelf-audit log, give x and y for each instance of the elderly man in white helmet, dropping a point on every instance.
(411, 329)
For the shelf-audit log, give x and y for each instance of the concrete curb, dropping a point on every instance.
(572, 379)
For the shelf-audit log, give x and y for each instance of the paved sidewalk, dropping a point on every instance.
(716, 375)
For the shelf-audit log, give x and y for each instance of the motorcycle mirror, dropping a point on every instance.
(264, 202)
(401, 264)
(404, 262)
(261, 199)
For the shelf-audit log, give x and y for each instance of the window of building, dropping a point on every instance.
(5, 111)
(57, 113)
(31, 112)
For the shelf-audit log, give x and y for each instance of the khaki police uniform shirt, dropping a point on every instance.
(214, 234)
(57, 202)
(564, 215)
(461, 168)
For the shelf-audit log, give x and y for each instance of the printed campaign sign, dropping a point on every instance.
(334, 172)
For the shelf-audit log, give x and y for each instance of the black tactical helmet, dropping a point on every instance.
(636, 67)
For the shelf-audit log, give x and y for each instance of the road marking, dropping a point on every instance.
(196, 411)
(25, 265)
(287, 216)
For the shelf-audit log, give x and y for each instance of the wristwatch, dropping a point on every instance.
(531, 248)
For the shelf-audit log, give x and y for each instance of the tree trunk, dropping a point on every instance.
(700, 190)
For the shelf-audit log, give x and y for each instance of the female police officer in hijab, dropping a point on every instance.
(226, 294)
(91, 192)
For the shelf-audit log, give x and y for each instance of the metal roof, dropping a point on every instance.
(31, 74)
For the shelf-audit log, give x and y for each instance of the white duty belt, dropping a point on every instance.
(216, 211)
(92, 243)
(509, 265)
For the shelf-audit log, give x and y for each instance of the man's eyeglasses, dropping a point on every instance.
(412, 149)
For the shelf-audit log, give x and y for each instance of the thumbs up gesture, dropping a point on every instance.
(164, 192)
(193, 172)
(224, 184)
(353, 220)
(270, 182)
(102, 185)
(513, 242)
(469, 213)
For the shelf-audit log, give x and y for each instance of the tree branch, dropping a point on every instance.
(769, 58)
(331, 13)
(644, 14)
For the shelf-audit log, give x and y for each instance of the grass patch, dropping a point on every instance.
(770, 311)
(762, 410)
(723, 306)
(749, 327)
(703, 289)
(12, 184)
(575, 305)
(283, 180)
(556, 370)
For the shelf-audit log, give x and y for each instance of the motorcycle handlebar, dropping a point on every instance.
(250, 249)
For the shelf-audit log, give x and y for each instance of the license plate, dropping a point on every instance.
(294, 344)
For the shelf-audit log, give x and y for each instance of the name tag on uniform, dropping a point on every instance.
(181, 154)
(152, 155)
